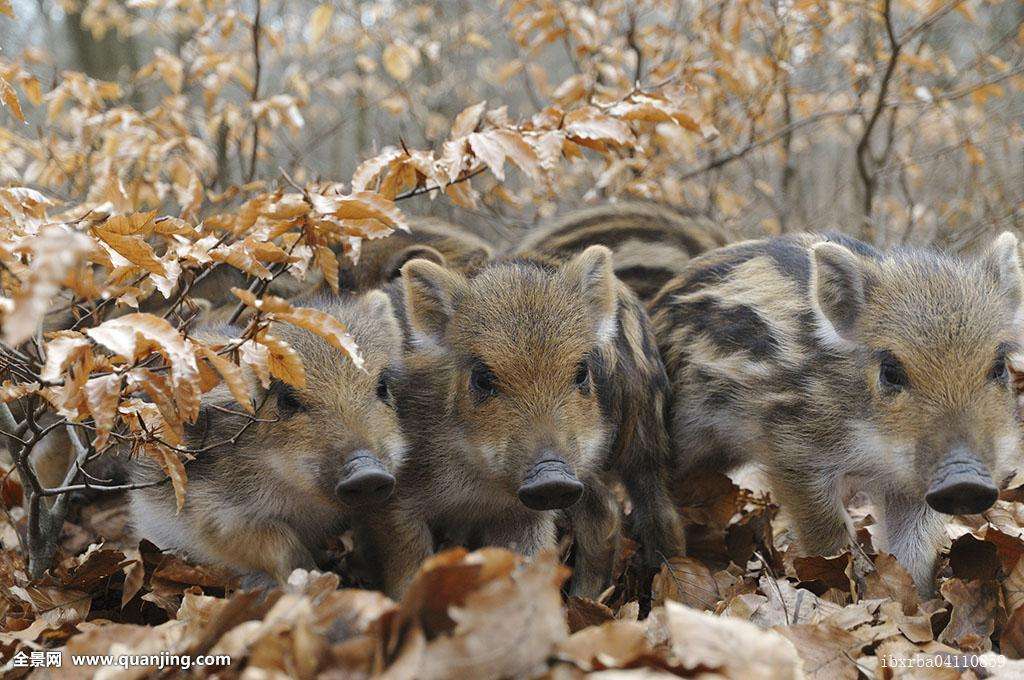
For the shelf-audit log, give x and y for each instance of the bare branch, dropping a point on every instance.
(255, 88)
(754, 144)
(868, 176)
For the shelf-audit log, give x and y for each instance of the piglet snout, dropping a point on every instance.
(550, 484)
(962, 485)
(364, 480)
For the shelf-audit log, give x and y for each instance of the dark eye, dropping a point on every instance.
(582, 378)
(384, 387)
(482, 381)
(288, 402)
(891, 374)
(1000, 370)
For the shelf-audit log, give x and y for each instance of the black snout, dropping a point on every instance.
(550, 485)
(364, 480)
(962, 485)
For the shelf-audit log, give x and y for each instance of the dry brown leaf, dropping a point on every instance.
(327, 327)
(283, 361)
(327, 262)
(232, 375)
(976, 610)
(468, 119)
(828, 652)
(686, 580)
(732, 647)
(172, 465)
(122, 335)
(615, 644)
(507, 628)
(102, 394)
(10, 99)
(891, 580)
(399, 60)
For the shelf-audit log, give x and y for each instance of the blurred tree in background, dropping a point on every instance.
(900, 121)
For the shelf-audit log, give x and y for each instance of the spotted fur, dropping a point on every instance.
(774, 350)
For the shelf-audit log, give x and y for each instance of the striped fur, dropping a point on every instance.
(651, 243)
(261, 495)
(780, 351)
(533, 325)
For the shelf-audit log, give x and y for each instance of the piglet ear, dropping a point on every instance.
(1004, 260)
(837, 284)
(415, 252)
(378, 308)
(431, 293)
(592, 271)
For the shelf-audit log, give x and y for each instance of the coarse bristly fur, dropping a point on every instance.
(266, 504)
(570, 367)
(781, 351)
(651, 243)
(380, 260)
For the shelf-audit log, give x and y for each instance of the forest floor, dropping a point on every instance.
(741, 605)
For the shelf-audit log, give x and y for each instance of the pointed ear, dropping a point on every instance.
(1004, 260)
(592, 271)
(378, 307)
(837, 285)
(431, 293)
(393, 269)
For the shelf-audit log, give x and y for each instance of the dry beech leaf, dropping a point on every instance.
(686, 580)
(399, 60)
(828, 652)
(60, 352)
(729, 646)
(122, 336)
(615, 644)
(319, 22)
(468, 120)
(102, 395)
(283, 361)
(10, 99)
(55, 251)
(976, 610)
(232, 375)
(172, 465)
(361, 205)
(327, 327)
(313, 320)
(327, 261)
(506, 627)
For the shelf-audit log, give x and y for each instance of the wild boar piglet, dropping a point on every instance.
(264, 498)
(838, 367)
(524, 386)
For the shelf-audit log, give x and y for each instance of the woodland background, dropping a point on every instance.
(142, 143)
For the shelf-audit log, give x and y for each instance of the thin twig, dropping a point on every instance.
(754, 144)
(255, 89)
(869, 177)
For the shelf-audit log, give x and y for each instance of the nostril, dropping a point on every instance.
(551, 495)
(364, 480)
(963, 498)
(365, 487)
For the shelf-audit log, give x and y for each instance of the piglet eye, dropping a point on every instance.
(482, 381)
(891, 374)
(384, 387)
(1000, 370)
(582, 378)
(288, 402)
